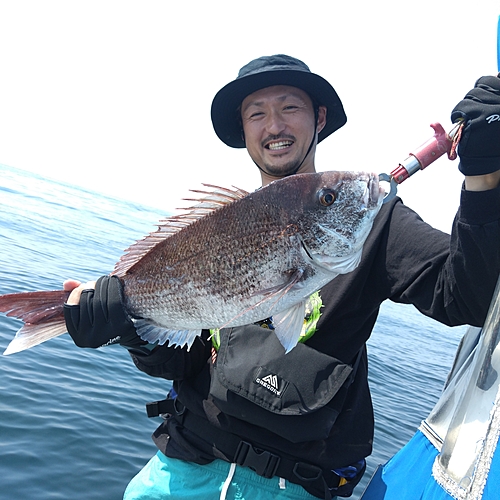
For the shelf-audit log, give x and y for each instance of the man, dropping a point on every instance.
(219, 442)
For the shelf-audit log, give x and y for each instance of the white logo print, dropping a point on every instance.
(493, 118)
(271, 383)
(272, 380)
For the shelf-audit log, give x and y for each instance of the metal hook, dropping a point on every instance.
(393, 186)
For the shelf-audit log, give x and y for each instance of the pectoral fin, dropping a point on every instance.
(288, 325)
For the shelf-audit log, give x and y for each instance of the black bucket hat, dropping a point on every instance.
(265, 72)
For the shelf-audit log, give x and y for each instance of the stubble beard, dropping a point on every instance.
(283, 170)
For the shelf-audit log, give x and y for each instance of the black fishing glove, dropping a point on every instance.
(479, 147)
(100, 319)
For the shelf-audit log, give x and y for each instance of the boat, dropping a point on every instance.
(454, 453)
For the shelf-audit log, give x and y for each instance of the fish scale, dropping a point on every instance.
(233, 258)
(231, 267)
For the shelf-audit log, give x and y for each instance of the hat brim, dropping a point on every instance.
(225, 106)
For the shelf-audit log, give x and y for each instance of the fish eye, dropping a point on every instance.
(327, 197)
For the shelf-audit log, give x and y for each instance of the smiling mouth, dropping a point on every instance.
(277, 146)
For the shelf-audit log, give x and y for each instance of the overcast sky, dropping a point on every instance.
(115, 95)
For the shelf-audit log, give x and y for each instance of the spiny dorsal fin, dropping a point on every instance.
(209, 203)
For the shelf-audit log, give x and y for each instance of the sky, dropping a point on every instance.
(115, 95)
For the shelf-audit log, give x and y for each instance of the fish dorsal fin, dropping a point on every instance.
(210, 202)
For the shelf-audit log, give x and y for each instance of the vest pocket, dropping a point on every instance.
(296, 395)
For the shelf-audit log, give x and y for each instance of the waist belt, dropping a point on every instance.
(315, 480)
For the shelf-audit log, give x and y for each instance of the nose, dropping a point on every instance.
(275, 123)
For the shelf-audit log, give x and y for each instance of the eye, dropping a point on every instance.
(327, 197)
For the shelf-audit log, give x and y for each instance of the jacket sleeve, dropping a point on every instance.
(449, 279)
(175, 363)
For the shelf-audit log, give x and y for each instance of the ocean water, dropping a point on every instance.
(72, 421)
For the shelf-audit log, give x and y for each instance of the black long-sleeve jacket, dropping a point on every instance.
(450, 279)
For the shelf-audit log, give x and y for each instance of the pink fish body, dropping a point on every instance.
(232, 259)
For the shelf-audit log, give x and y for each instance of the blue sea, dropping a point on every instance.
(72, 421)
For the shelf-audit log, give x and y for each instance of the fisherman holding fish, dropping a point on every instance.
(257, 412)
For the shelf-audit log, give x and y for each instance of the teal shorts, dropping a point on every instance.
(164, 477)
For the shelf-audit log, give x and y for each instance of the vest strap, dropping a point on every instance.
(169, 406)
(263, 463)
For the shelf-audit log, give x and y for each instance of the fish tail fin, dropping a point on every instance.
(42, 314)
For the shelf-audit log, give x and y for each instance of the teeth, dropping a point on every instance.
(279, 145)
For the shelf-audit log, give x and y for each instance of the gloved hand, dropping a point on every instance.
(100, 318)
(479, 147)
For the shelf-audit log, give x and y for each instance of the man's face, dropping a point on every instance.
(278, 123)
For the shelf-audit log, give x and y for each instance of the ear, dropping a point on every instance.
(321, 119)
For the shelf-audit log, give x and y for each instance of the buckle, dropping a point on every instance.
(153, 409)
(165, 406)
(264, 463)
